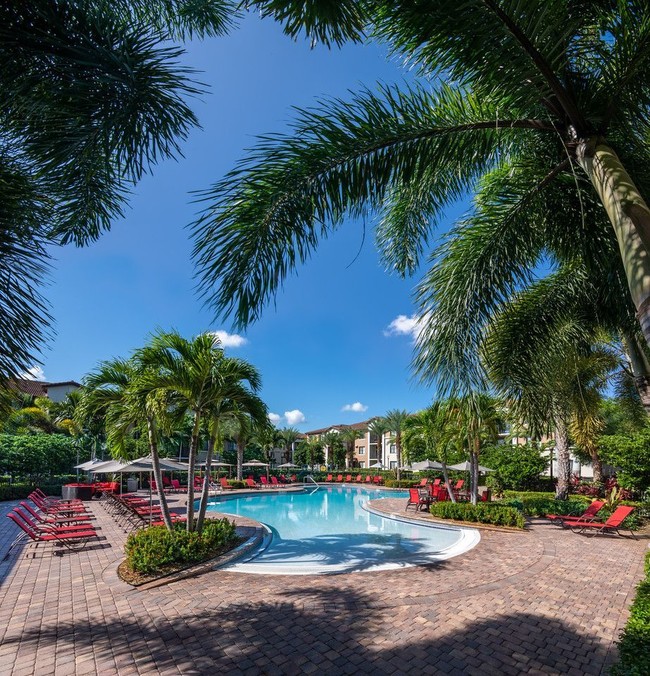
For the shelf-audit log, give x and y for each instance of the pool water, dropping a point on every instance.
(327, 530)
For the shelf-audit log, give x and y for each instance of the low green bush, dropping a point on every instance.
(155, 549)
(489, 513)
(403, 483)
(634, 644)
(237, 484)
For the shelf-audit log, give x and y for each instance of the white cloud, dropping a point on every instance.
(294, 417)
(34, 373)
(405, 326)
(357, 407)
(229, 339)
(275, 418)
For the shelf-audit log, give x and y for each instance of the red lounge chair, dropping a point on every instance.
(52, 528)
(265, 482)
(459, 485)
(437, 482)
(423, 482)
(176, 486)
(274, 482)
(587, 515)
(610, 526)
(56, 508)
(294, 478)
(224, 484)
(359, 478)
(71, 540)
(368, 479)
(378, 480)
(339, 478)
(417, 500)
(251, 484)
(348, 478)
(55, 520)
(329, 478)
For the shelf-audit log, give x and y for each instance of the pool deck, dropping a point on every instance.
(546, 601)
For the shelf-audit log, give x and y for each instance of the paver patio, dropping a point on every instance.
(542, 602)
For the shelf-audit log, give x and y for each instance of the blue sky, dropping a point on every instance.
(327, 344)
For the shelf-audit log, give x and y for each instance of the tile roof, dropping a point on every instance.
(35, 388)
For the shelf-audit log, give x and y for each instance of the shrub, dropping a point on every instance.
(631, 455)
(490, 513)
(403, 483)
(515, 467)
(633, 647)
(154, 549)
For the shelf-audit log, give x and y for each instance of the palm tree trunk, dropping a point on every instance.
(640, 369)
(206, 484)
(194, 444)
(157, 473)
(473, 471)
(398, 448)
(597, 465)
(563, 459)
(241, 446)
(445, 474)
(630, 216)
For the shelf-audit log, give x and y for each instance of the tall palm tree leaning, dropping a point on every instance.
(121, 391)
(542, 96)
(199, 379)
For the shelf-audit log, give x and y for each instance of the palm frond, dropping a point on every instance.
(268, 215)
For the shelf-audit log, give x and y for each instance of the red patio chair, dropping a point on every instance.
(69, 539)
(329, 478)
(294, 478)
(274, 482)
(224, 484)
(436, 482)
(56, 520)
(265, 483)
(359, 478)
(610, 526)
(251, 484)
(417, 500)
(459, 485)
(588, 515)
(368, 479)
(423, 482)
(339, 478)
(348, 478)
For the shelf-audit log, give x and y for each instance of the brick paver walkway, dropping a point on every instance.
(542, 602)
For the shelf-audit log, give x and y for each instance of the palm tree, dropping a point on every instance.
(334, 444)
(348, 436)
(546, 100)
(121, 392)
(289, 436)
(378, 427)
(199, 379)
(93, 96)
(396, 421)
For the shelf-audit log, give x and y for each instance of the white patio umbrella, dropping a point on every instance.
(89, 464)
(466, 467)
(288, 465)
(377, 465)
(257, 463)
(425, 464)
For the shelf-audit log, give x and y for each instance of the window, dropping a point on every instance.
(362, 464)
(361, 450)
(393, 464)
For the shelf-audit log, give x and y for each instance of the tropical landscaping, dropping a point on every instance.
(533, 308)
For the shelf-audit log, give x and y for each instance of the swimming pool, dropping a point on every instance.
(328, 530)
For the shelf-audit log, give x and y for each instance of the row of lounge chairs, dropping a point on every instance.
(133, 511)
(588, 524)
(62, 523)
(375, 480)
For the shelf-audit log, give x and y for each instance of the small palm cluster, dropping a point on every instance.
(159, 385)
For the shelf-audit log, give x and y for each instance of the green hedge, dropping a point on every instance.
(154, 549)
(492, 513)
(634, 645)
(403, 483)
(21, 490)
